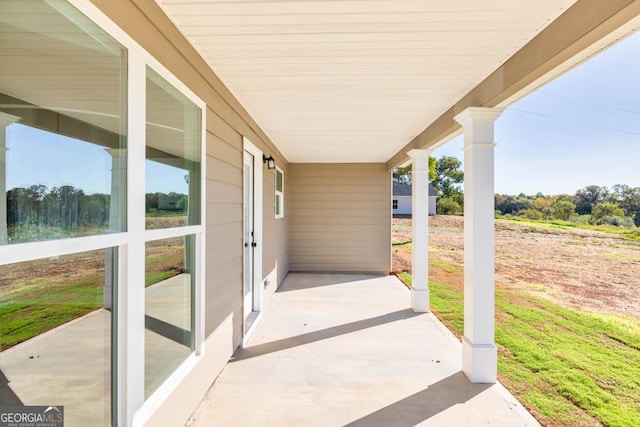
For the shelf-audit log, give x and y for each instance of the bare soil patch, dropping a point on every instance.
(575, 268)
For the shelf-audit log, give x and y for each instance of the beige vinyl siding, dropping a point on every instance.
(339, 217)
(275, 258)
(226, 124)
(223, 256)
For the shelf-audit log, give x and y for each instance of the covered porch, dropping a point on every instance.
(337, 94)
(345, 349)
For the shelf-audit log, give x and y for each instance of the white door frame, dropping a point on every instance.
(248, 232)
(257, 232)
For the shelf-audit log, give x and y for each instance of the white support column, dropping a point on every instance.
(420, 231)
(5, 121)
(479, 352)
(116, 216)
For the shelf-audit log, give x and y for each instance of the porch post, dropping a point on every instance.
(479, 352)
(5, 121)
(116, 203)
(420, 231)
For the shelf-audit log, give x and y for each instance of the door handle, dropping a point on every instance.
(254, 244)
(246, 245)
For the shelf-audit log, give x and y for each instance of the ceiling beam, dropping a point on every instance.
(582, 26)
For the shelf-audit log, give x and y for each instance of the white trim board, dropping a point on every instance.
(257, 225)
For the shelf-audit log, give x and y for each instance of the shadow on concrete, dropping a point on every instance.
(410, 411)
(168, 330)
(7, 396)
(323, 334)
(320, 280)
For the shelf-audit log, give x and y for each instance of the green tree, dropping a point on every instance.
(151, 201)
(402, 175)
(449, 176)
(532, 214)
(602, 210)
(447, 206)
(563, 209)
(508, 204)
(446, 177)
(588, 197)
(628, 199)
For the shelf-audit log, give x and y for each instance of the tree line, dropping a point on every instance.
(64, 210)
(63, 207)
(618, 205)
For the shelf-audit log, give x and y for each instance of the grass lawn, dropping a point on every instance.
(29, 312)
(49, 297)
(567, 367)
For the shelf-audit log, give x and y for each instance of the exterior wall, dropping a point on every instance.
(227, 123)
(275, 264)
(404, 205)
(432, 205)
(339, 216)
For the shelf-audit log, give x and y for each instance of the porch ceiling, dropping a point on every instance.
(355, 80)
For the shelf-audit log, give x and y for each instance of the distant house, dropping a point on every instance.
(168, 202)
(402, 199)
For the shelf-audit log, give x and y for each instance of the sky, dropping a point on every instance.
(583, 128)
(35, 156)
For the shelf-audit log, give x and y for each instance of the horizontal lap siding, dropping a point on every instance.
(226, 124)
(275, 232)
(223, 257)
(339, 217)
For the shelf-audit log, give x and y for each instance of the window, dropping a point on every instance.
(63, 174)
(62, 158)
(52, 301)
(83, 252)
(169, 297)
(172, 156)
(279, 202)
(395, 204)
(173, 153)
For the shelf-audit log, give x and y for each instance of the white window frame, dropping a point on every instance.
(132, 409)
(159, 396)
(278, 193)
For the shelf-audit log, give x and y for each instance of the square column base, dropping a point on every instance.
(420, 300)
(479, 362)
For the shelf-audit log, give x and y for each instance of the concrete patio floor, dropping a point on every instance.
(344, 350)
(70, 365)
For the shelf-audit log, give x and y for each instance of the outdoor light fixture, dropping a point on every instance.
(270, 161)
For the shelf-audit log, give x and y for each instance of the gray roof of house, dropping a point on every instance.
(405, 190)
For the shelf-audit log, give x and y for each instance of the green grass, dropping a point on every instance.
(153, 277)
(625, 233)
(568, 367)
(30, 312)
(44, 303)
(625, 257)
(162, 267)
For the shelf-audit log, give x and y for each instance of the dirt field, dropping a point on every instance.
(576, 268)
(86, 266)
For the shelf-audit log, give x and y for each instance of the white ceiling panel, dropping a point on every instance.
(355, 81)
